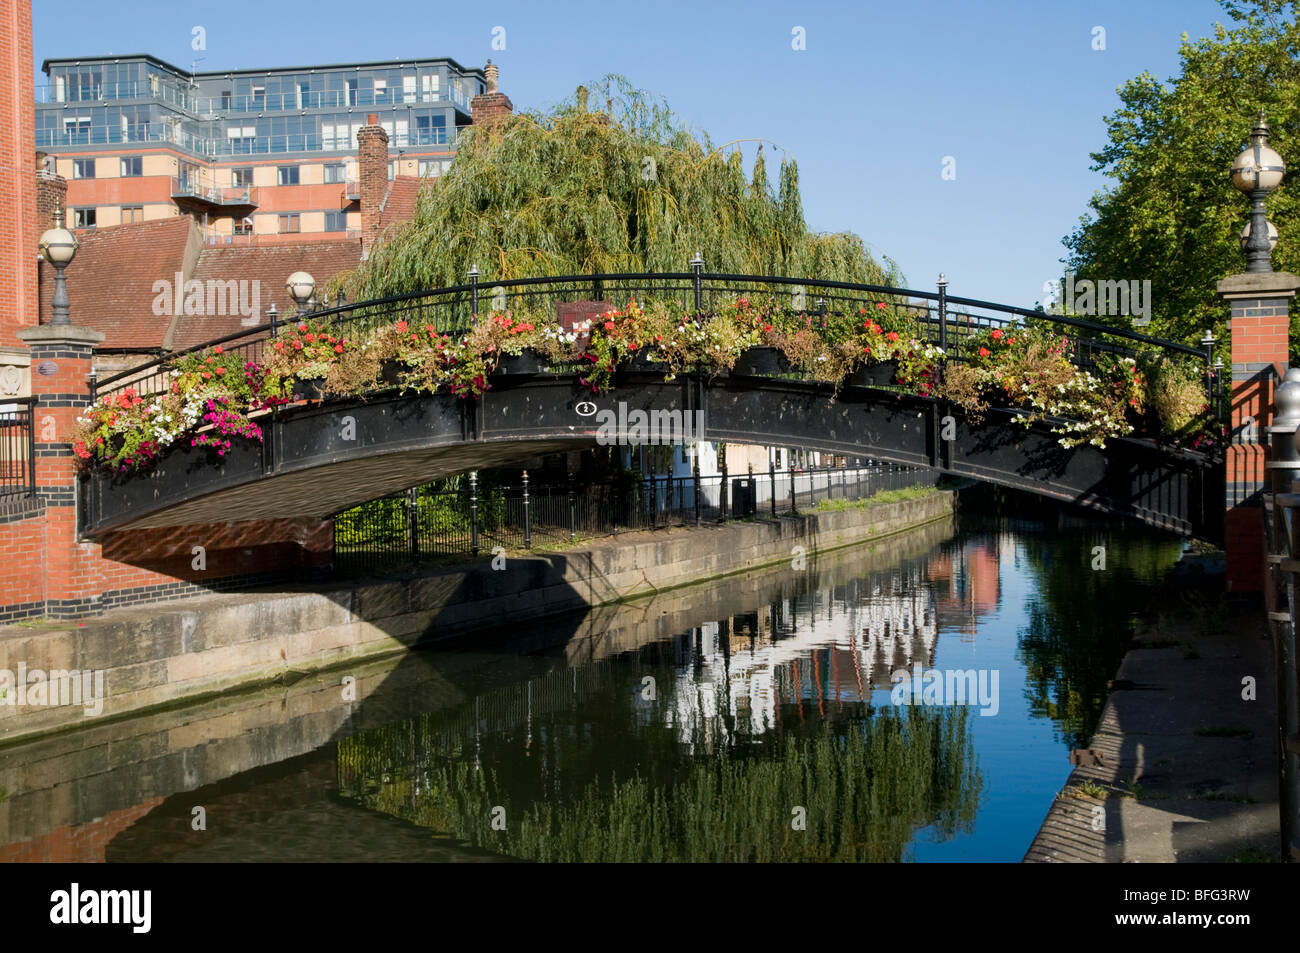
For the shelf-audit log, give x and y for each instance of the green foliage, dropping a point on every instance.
(624, 189)
(1171, 214)
(866, 788)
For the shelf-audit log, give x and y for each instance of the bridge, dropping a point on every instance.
(319, 457)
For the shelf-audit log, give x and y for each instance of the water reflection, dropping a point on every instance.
(747, 720)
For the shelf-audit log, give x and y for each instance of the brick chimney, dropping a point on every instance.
(51, 195)
(489, 106)
(372, 167)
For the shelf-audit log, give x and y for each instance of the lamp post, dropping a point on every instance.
(302, 288)
(59, 246)
(1257, 171)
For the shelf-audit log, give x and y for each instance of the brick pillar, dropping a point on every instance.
(61, 359)
(372, 167)
(17, 184)
(1261, 317)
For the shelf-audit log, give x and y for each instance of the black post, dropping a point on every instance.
(473, 512)
(274, 317)
(725, 492)
(696, 468)
(943, 312)
(473, 291)
(413, 522)
(613, 503)
(528, 523)
(697, 266)
(771, 479)
(597, 287)
(573, 516)
(31, 444)
(794, 504)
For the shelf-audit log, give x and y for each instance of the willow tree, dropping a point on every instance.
(623, 186)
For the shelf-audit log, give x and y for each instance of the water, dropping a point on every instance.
(750, 720)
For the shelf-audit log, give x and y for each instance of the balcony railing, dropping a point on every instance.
(191, 187)
(184, 97)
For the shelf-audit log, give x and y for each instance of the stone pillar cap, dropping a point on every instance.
(59, 334)
(1255, 284)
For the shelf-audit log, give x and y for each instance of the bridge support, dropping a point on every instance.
(47, 569)
(1261, 316)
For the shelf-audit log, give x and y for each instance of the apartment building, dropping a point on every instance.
(253, 156)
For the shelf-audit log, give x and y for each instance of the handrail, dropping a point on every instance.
(478, 288)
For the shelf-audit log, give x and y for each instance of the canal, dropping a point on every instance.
(754, 719)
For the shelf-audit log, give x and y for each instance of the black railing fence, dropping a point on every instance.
(947, 321)
(424, 523)
(17, 447)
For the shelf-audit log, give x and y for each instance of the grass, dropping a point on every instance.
(884, 496)
(1086, 789)
(1223, 731)
(1135, 790)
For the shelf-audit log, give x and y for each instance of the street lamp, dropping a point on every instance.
(302, 288)
(59, 246)
(1257, 171)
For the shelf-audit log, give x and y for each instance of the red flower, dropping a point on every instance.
(302, 327)
(997, 335)
(984, 352)
(892, 336)
(881, 306)
(220, 371)
(338, 348)
(297, 345)
(217, 349)
(207, 375)
(609, 325)
(310, 337)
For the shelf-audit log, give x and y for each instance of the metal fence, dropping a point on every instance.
(1281, 589)
(425, 524)
(17, 448)
(948, 321)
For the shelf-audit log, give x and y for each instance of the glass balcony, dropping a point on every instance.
(86, 134)
(199, 189)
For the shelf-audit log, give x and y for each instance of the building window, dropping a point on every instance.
(350, 90)
(241, 138)
(225, 100)
(381, 91)
(433, 167)
(287, 175)
(244, 226)
(83, 218)
(259, 96)
(241, 178)
(335, 172)
(304, 95)
(336, 221)
(83, 168)
(132, 213)
(132, 166)
(289, 223)
(76, 130)
(430, 84)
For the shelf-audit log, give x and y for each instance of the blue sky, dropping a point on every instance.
(882, 93)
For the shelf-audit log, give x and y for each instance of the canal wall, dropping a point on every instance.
(135, 660)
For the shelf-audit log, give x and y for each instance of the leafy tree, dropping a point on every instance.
(623, 188)
(1171, 214)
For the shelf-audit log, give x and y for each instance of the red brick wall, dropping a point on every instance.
(17, 177)
(488, 107)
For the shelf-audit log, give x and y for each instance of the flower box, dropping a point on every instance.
(874, 375)
(390, 372)
(529, 362)
(762, 362)
(644, 360)
(311, 388)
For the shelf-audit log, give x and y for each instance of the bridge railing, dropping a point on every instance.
(948, 321)
(17, 448)
(424, 523)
